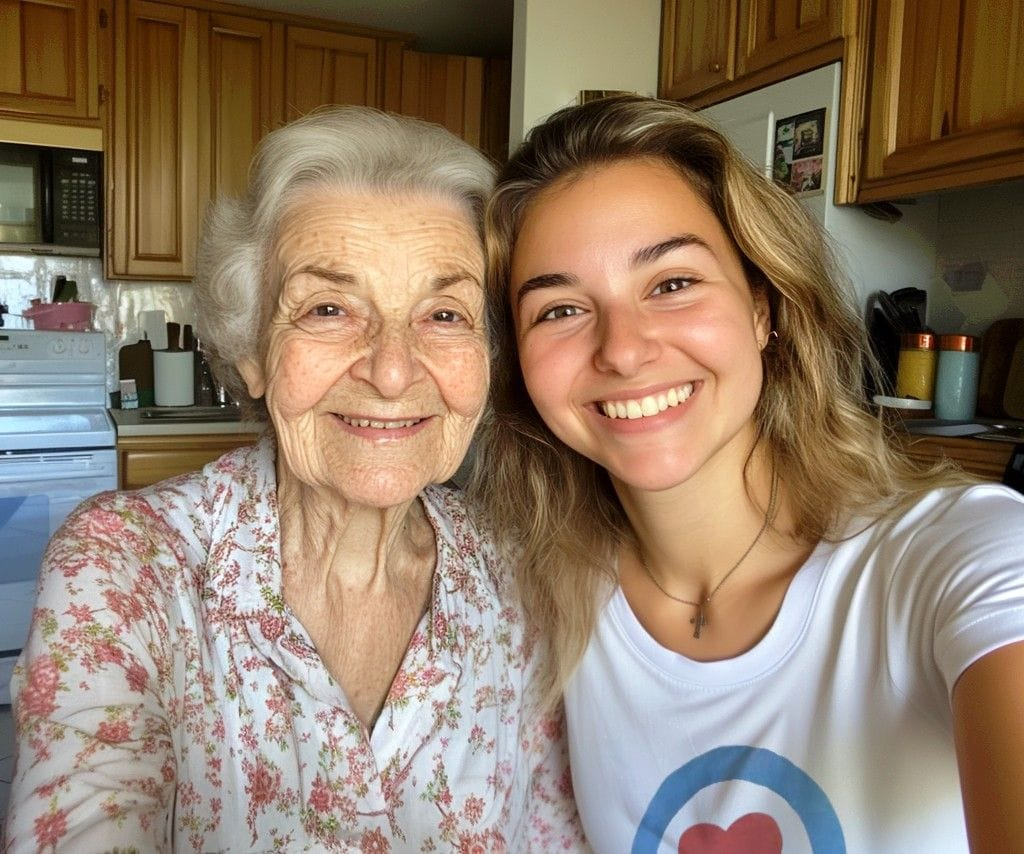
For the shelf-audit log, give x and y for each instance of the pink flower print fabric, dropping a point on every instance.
(168, 699)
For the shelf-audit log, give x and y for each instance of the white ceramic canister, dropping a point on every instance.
(173, 379)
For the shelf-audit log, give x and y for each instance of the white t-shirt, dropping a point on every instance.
(834, 733)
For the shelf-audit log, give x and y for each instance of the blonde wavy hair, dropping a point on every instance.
(556, 510)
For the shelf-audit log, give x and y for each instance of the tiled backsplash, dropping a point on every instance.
(25, 277)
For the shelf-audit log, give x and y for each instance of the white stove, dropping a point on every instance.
(56, 449)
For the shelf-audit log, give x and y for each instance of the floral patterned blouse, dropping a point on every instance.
(168, 699)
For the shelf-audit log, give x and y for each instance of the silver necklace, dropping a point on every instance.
(700, 619)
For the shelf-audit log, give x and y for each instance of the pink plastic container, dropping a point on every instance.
(75, 316)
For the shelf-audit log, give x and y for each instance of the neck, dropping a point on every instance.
(690, 536)
(329, 542)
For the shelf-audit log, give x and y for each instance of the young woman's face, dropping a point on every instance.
(639, 338)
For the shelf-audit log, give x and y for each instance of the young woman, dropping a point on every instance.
(772, 630)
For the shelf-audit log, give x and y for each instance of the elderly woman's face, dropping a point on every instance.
(376, 369)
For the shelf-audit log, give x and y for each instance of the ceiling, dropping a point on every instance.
(472, 27)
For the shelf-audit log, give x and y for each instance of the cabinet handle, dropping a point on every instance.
(715, 67)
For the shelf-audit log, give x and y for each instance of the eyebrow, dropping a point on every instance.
(653, 253)
(440, 283)
(646, 255)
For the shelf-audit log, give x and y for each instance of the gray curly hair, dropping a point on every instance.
(349, 148)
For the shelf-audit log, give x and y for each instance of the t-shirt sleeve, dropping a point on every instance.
(969, 559)
(94, 763)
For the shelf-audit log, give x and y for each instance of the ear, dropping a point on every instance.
(252, 372)
(762, 317)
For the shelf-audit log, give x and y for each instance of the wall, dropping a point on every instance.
(979, 273)
(562, 46)
(24, 277)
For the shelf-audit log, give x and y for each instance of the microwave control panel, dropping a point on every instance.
(77, 197)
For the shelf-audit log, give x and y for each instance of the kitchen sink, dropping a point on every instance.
(191, 414)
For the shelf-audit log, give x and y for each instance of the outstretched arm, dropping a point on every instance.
(988, 718)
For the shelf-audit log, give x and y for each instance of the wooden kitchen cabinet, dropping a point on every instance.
(152, 201)
(945, 96)
(324, 67)
(445, 89)
(982, 457)
(773, 32)
(698, 46)
(195, 90)
(717, 49)
(50, 59)
(240, 99)
(142, 460)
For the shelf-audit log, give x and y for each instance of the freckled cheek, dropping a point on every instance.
(301, 377)
(463, 380)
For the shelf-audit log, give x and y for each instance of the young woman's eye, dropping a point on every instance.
(560, 311)
(671, 286)
(446, 315)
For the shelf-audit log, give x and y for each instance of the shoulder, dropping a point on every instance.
(466, 549)
(961, 517)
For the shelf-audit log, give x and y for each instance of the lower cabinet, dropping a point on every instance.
(142, 460)
(983, 457)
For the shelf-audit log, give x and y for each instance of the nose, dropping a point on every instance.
(391, 363)
(625, 343)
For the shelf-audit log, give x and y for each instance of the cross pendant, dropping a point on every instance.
(698, 621)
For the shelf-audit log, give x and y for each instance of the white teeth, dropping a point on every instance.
(378, 425)
(646, 406)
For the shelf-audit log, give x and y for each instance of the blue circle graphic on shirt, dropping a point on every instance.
(753, 765)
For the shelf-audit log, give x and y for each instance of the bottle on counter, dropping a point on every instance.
(956, 378)
(915, 369)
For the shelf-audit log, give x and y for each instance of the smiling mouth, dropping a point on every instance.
(380, 425)
(644, 407)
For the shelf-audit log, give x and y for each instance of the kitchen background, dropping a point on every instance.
(974, 238)
(977, 236)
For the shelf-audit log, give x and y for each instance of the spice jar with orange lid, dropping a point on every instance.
(956, 378)
(915, 368)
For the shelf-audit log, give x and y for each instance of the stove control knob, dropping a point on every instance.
(59, 346)
(84, 347)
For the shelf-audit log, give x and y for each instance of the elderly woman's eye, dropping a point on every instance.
(446, 315)
(327, 310)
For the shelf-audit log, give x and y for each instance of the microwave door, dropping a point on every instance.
(21, 194)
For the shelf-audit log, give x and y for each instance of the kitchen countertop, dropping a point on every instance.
(131, 422)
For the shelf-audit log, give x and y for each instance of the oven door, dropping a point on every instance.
(37, 492)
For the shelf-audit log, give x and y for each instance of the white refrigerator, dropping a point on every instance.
(783, 130)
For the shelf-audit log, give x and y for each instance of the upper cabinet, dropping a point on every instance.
(152, 187)
(195, 91)
(714, 49)
(49, 62)
(698, 46)
(945, 96)
(330, 68)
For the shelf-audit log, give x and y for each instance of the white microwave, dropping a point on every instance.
(51, 200)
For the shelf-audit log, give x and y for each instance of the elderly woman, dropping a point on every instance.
(306, 645)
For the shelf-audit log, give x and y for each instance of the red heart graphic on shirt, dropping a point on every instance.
(754, 833)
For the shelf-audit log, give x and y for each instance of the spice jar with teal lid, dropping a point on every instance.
(915, 369)
(956, 378)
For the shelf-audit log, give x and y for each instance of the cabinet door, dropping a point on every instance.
(698, 41)
(445, 89)
(49, 60)
(774, 31)
(240, 92)
(946, 96)
(153, 189)
(323, 67)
